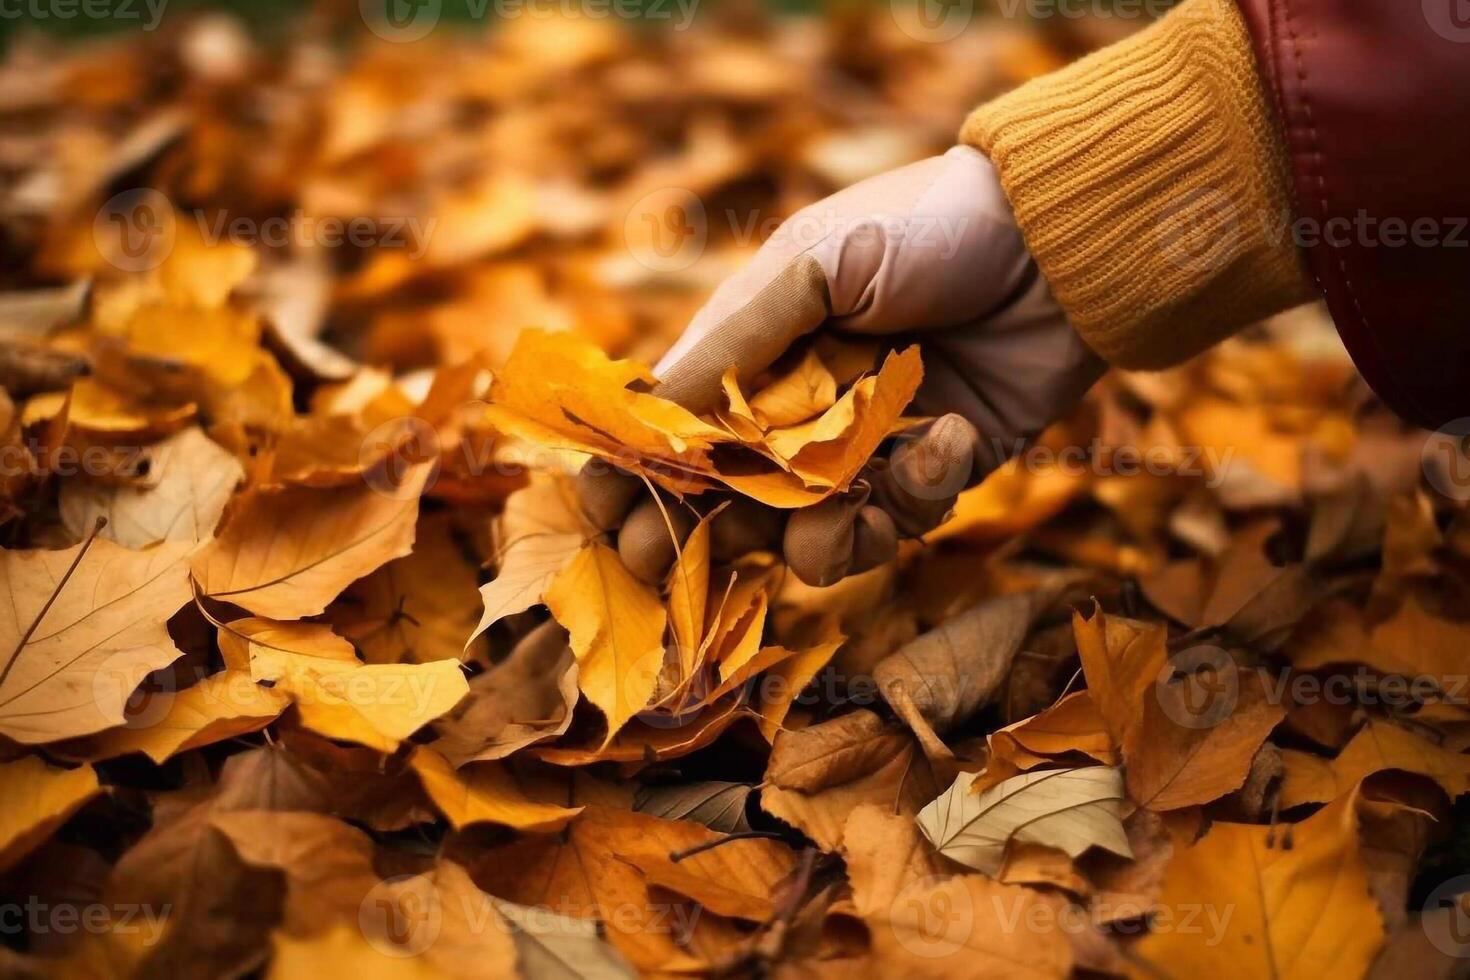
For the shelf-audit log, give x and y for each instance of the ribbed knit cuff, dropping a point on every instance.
(1151, 185)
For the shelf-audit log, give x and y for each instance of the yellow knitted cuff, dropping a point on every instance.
(1151, 185)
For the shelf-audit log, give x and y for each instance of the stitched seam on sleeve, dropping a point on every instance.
(1320, 173)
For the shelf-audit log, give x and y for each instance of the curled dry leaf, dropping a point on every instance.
(541, 531)
(526, 698)
(590, 872)
(817, 776)
(942, 677)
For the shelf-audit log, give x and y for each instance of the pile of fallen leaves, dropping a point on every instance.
(310, 661)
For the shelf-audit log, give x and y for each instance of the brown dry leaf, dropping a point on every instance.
(716, 804)
(652, 740)
(818, 775)
(286, 554)
(1122, 660)
(1280, 902)
(1196, 737)
(944, 676)
(1071, 725)
(829, 450)
(590, 874)
(343, 948)
(330, 883)
(336, 694)
(1067, 809)
(560, 391)
(967, 925)
(38, 799)
(82, 627)
(190, 480)
(886, 856)
(1413, 641)
(526, 698)
(616, 625)
(802, 393)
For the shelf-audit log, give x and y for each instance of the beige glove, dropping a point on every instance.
(927, 253)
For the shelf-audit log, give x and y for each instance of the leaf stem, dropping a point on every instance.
(710, 845)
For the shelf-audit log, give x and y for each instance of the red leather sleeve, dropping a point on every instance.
(1374, 102)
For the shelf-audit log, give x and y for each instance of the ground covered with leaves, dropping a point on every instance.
(311, 662)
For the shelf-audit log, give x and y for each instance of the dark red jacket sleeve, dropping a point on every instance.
(1374, 102)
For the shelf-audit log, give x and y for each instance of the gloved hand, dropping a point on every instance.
(927, 253)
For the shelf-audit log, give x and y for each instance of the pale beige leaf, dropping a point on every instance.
(1067, 809)
(73, 649)
(191, 479)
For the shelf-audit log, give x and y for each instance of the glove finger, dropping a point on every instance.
(922, 477)
(745, 526)
(644, 542)
(606, 494)
(751, 320)
(875, 540)
(819, 540)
